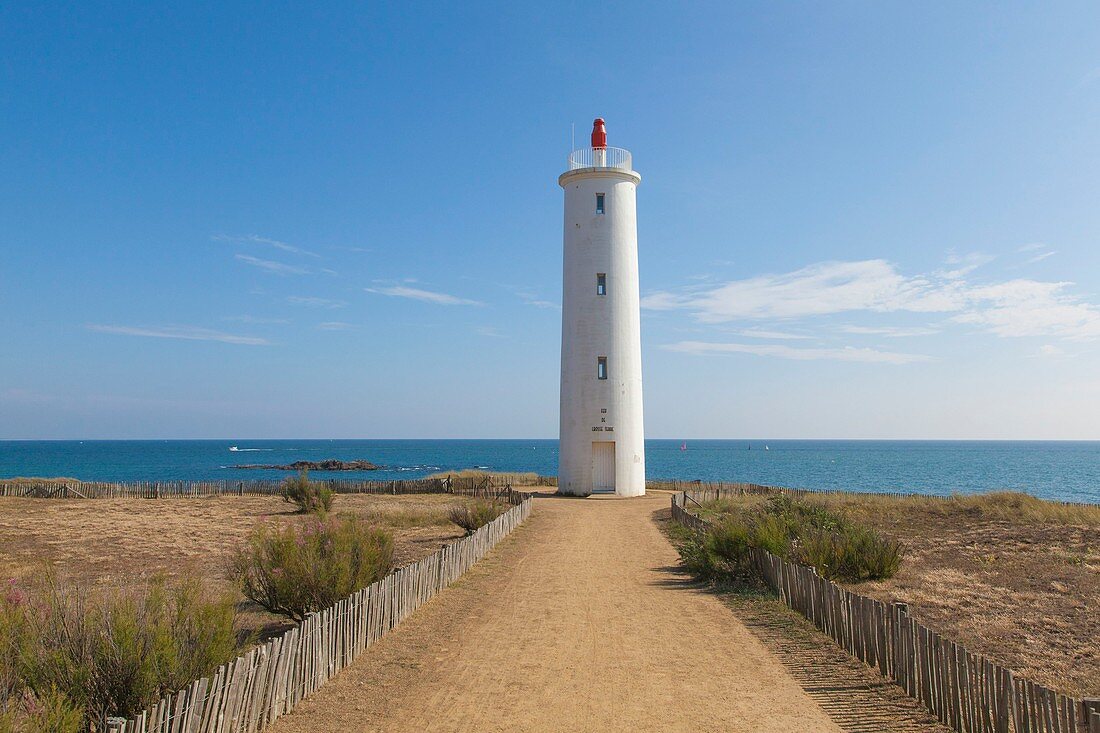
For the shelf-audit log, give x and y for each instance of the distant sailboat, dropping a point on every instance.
(766, 447)
(684, 446)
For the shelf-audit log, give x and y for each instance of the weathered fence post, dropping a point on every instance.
(1092, 710)
(1006, 707)
(116, 725)
(900, 662)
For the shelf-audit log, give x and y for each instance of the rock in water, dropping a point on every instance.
(327, 465)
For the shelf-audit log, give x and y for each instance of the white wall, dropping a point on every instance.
(594, 326)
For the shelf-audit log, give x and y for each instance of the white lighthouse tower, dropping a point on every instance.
(601, 437)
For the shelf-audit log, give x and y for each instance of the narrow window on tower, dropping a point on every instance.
(599, 203)
(601, 284)
(601, 367)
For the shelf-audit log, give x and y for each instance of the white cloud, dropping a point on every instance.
(277, 268)
(315, 302)
(1031, 308)
(1051, 350)
(489, 331)
(335, 326)
(1020, 307)
(782, 351)
(427, 296)
(820, 289)
(891, 331)
(254, 319)
(1041, 256)
(962, 265)
(540, 303)
(534, 300)
(188, 333)
(1035, 247)
(758, 333)
(253, 239)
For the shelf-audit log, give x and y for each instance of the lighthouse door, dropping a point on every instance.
(603, 465)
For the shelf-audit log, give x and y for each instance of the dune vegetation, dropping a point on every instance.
(514, 478)
(1006, 574)
(107, 604)
(796, 530)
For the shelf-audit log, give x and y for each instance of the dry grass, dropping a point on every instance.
(40, 480)
(528, 478)
(122, 543)
(998, 505)
(404, 517)
(1006, 575)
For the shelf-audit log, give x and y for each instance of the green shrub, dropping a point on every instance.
(719, 507)
(878, 557)
(795, 530)
(722, 551)
(310, 496)
(14, 633)
(774, 534)
(852, 555)
(51, 712)
(294, 571)
(689, 544)
(472, 515)
(114, 654)
(694, 555)
(727, 548)
(799, 514)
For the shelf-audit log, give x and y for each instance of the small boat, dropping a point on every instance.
(683, 446)
(766, 447)
(234, 449)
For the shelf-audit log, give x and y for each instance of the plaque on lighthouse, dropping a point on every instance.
(602, 447)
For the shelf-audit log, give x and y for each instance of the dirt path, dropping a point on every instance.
(578, 622)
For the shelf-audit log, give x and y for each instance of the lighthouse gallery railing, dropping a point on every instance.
(600, 158)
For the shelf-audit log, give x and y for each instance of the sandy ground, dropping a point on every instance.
(578, 622)
(114, 542)
(1019, 584)
(854, 695)
(120, 543)
(1026, 595)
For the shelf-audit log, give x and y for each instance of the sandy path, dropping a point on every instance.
(578, 622)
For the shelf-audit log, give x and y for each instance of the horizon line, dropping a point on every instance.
(673, 439)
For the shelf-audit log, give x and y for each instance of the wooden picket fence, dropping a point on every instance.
(462, 485)
(252, 691)
(966, 691)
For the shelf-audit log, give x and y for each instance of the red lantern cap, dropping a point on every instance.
(599, 134)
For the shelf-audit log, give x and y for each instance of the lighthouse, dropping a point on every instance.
(602, 447)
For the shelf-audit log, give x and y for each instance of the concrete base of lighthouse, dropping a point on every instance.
(601, 467)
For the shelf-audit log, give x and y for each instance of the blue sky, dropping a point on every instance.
(857, 220)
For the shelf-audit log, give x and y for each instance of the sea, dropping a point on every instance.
(1063, 470)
